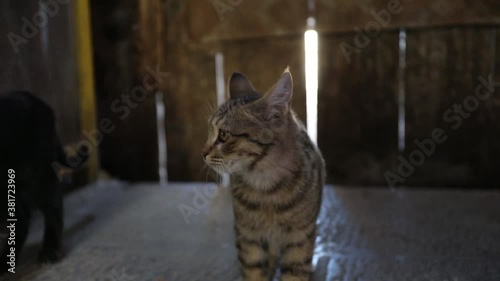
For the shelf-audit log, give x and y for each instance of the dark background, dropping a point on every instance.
(448, 45)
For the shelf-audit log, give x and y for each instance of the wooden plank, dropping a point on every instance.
(130, 69)
(489, 117)
(442, 72)
(190, 95)
(344, 16)
(44, 64)
(263, 61)
(148, 77)
(236, 19)
(114, 75)
(216, 20)
(85, 72)
(61, 67)
(358, 109)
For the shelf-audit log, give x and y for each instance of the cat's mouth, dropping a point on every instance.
(218, 164)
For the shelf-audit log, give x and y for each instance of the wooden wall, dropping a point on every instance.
(358, 108)
(127, 42)
(443, 66)
(191, 91)
(39, 49)
(45, 64)
(448, 44)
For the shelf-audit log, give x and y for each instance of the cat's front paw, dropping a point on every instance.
(49, 256)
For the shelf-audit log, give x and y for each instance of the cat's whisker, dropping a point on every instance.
(210, 106)
(204, 167)
(228, 171)
(206, 175)
(211, 110)
(220, 179)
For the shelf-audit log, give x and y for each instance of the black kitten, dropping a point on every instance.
(29, 145)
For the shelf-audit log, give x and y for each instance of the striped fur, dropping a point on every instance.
(277, 175)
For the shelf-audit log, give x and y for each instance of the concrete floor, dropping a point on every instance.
(120, 232)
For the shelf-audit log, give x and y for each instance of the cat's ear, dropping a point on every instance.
(279, 98)
(239, 86)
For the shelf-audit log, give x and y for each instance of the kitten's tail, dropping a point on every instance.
(72, 159)
(65, 162)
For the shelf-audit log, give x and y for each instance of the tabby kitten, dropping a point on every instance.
(277, 175)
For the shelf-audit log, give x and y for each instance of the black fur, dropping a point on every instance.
(29, 145)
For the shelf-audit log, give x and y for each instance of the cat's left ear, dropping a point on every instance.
(279, 98)
(239, 86)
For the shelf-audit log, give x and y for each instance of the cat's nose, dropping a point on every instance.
(204, 152)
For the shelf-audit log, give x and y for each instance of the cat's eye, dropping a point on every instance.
(223, 135)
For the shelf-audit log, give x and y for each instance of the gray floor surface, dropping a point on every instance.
(120, 232)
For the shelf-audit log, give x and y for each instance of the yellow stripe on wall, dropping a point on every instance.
(85, 68)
